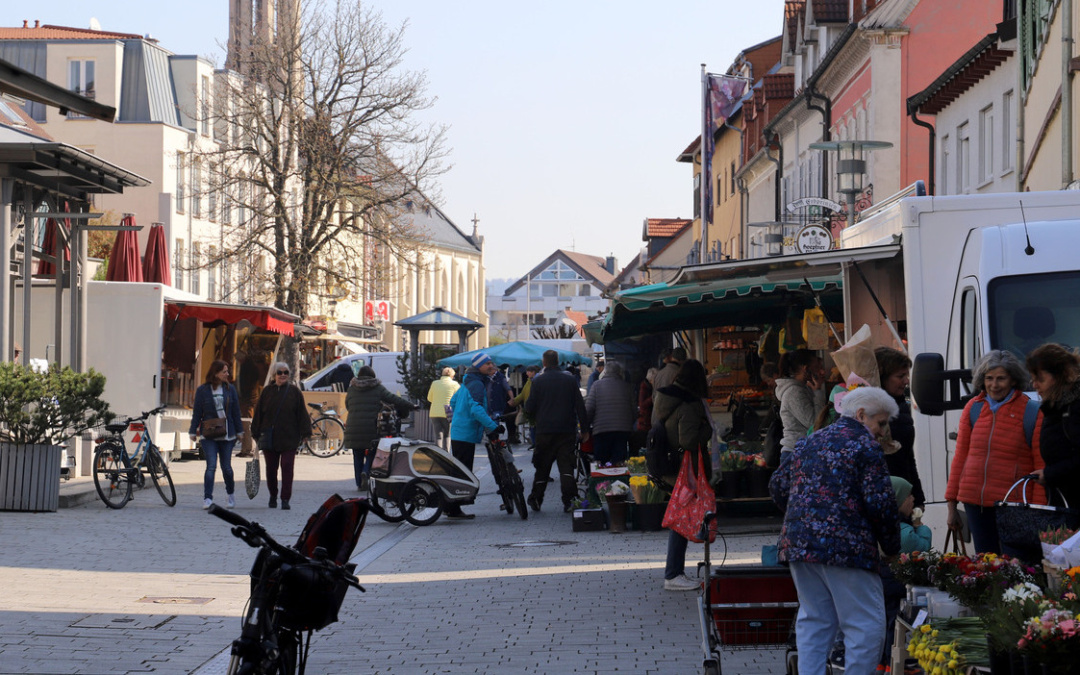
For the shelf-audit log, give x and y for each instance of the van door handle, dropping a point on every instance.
(952, 435)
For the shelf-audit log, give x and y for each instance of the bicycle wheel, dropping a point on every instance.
(387, 509)
(421, 502)
(518, 490)
(112, 475)
(499, 473)
(327, 435)
(159, 473)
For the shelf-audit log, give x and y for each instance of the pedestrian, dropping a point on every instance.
(1055, 376)
(611, 410)
(217, 399)
(521, 398)
(364, 401)
(914, 536)
(992, 450)
(670, 362)
(685, 414)
(595, 375)
(281, 423)
(478, 383)
(439, 395)
(499, 393)
(556, 405)
(801, 377)
(644, 411)
(894, 372)
(839, 508)
(467, 428)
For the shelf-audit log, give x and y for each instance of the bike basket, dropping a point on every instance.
(309, 597)
(380, 466)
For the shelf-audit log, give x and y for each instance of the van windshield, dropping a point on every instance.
(1030, 310)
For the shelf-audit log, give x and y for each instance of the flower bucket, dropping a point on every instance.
(731, 486)
(649, 517)
(757, 480)
(617, 510)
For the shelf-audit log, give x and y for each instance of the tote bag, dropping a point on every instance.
(1019, 523)
(691, 499)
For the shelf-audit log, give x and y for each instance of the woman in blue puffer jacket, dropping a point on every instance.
(467, 428)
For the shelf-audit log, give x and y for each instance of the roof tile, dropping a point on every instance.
(665, 227)
(48, 32)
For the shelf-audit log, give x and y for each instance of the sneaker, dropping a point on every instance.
(273, 502)
(681, 583)
(461, 516)
(232, 502)
(207, 503)
(534, 503)
(285, 505)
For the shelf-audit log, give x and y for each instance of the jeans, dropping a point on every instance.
(219, 450)
(838, 598)
(610, 446)
(362, 459)
(288, 462)
(554, 449)
(676, 555)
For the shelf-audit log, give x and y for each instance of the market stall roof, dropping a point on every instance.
(735, 293)
(266, 318)
(438, 319)
(514, 354)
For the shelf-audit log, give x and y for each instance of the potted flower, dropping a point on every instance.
(649, 503)
(613, 493)
(733, 465)
(588, 516)
(636, 466)
(1051, 639)
(39, 410)
(758, 474)
(1005, 622)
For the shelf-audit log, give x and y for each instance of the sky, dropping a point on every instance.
(565, 116)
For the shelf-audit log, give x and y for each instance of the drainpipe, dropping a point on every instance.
(744, 197)
(779, 162)
(1066, 93)
(914, 115)
(826, 131)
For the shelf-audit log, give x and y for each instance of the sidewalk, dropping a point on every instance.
(154, 589)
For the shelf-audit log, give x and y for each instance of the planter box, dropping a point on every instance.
(29, 477)
(589, 520)
(648, 517)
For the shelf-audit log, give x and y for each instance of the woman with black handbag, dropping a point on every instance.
(216, 417)
(281, 423)
(1055, 375)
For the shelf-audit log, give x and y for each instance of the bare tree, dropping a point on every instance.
(318, 152)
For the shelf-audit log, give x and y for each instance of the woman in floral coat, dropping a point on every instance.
(839, 507)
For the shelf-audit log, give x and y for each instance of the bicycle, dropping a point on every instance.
(294, 590)
(116, 473)
(506, 475)
(327, 433)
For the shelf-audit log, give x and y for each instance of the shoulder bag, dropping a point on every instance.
(217, 427)
(252, 476)
(1019, 523)
(691, 499)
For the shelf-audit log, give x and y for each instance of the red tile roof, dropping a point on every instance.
(48, 32)
(779, 85)
(830, 11)
(793, 13)
(665, 227)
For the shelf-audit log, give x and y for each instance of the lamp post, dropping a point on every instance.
(850, 167)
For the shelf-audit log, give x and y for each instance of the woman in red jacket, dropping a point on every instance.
(994, 450)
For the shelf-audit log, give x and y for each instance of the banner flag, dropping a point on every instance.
(722, 95)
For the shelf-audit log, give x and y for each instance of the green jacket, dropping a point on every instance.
(364, 401)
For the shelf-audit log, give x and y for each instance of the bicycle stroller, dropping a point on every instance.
(416, 482)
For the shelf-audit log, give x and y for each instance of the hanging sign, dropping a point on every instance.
(814, 201)
(376, 310)
(813, 239)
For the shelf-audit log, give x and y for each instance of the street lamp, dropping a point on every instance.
(850, 167)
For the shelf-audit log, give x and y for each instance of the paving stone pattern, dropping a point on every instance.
(152, 589)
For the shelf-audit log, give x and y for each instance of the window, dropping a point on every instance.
(204, 107)
(943, 173)
(226, 279)
(180, 166)
(241, 201)
(697, 195)
(211, 274)
(178, 264)
(226, 206)
(81, 80)
(1007, 148)
(1028, 310)
(732, 178)
(969, 328)
(212, 192)
(196, 189)
(987, 139)
(196, 254)
(963, 159)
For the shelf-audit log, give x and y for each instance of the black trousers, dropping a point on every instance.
(554, 449)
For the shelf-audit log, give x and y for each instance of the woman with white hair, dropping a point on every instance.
(839, 507)
(439, 395)
(281, 423)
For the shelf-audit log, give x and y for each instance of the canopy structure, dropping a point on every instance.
(734, 293)
(216, 313)
(514, 354)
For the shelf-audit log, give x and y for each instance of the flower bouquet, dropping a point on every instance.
(612, 490)
(636, 465)
(645, 491)
(1052, 638)
(976, 581)
(914, 568)
(1007, 616)
(950, 646)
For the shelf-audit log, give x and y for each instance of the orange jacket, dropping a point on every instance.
(994, 454)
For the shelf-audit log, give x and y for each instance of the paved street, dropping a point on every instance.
(150, 589)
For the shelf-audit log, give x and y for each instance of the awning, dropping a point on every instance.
(221, 314)
(736, 293)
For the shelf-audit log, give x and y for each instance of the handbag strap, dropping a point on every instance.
(958, 545)
(1023, 491)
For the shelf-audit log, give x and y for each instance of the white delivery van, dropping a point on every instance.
(385, 365)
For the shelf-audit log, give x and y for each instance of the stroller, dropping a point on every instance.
(416, 481)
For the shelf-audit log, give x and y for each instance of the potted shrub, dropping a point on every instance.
(39, 410)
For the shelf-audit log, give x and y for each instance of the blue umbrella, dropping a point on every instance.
(514, 354)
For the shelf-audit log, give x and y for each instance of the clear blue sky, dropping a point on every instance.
(565, 116)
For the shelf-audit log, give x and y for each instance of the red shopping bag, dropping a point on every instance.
(691, 499)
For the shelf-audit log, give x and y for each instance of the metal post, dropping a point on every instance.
(58, 304)
(74, 234)
(7, 188)
(28, 261)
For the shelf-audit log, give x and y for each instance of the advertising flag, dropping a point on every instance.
(721, 95)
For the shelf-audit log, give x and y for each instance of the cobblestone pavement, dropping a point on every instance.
(152, 589)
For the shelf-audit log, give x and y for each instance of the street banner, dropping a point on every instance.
(720, 97)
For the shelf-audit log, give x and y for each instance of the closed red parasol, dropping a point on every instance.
(50, 246)
(124, 262)
(156, 261)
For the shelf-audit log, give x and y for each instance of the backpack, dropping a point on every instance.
(661, 459)
(336, 527)
(1031, 413)
(773, 436)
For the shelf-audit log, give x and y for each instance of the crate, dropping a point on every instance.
(752, 605)
(589, 520)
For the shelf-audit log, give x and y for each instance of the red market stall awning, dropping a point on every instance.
(156, 267)
(125, 264)
(220, 314)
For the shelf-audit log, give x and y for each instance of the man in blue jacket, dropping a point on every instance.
(558, 410)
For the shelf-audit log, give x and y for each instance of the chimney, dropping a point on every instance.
(37, 23)
(25, 23)
(609, 264)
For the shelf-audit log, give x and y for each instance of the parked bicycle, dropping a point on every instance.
(327, 432)
(294, 590)
(117, 473)
(506, 475)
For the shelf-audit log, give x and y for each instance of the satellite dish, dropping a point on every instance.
(94, 23)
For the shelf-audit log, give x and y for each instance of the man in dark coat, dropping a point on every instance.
(556, 405)
(364, 401)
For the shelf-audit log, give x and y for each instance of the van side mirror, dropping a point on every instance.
(928, 381)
